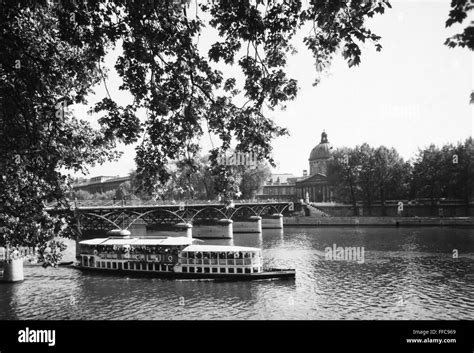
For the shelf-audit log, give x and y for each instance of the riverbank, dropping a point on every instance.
(304, 221)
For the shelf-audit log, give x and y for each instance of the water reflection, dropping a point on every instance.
(407, 273)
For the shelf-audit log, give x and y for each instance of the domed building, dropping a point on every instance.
(313, 187)
(319, 156)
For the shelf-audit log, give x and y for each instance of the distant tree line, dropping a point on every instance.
(369, 174)
(191, 179)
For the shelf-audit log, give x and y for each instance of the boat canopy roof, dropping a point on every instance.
(170, 241)
(219, 248)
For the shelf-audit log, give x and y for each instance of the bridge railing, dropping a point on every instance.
(119, 203)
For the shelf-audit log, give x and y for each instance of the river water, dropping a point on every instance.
(405, 273)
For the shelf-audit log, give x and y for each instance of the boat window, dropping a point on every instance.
(214, 270)
(125, 266)
(199, 255)
(150, 267)
(239, 270)
(222, 269)
(230, 255)
(191, 269)
(206, 270)
(222, 255)
(255, 269)
(206, 255)
(103, 264)
(231, 270)
(185, 269)
(199, 269)
(184, 254)
(108, 264)
(247, 255)
(247, 270)
(190, 255)
(114, 265)
(214, 255)
(119, 265)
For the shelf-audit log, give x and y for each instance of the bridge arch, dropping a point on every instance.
(153, 211)
(209, 208)
(242, 207)
(104, 218)
(287, 205)
(268, 206)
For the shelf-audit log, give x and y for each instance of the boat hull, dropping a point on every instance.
(265, 275)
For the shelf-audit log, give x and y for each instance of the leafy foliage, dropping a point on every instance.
(446, 172)
(459, 12)
(369, 174)
(52, 55)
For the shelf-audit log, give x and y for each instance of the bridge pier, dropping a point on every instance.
(13, 271)
(275, 221)
(174, 230)
(251, 225)
(222, 229)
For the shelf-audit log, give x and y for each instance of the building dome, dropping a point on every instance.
(321, 151)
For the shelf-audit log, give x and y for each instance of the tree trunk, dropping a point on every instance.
(382, 200)
(354, 202)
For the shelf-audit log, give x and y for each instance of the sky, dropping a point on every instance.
(412, 93)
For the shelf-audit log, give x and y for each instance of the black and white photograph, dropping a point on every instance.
(283, 163)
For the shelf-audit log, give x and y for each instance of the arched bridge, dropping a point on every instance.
(113, 215)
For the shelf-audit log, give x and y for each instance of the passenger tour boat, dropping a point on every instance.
(175, 257)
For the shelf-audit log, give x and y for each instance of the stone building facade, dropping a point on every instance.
(313, 187)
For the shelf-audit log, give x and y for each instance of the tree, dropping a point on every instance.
(52, 54)
(124, 191)
(343, 174)
(253, 179)
(446, 172)
(391, 174)
(367, 177)
(428, 179)
(458, 13)
(462, 161)
(81, 195)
